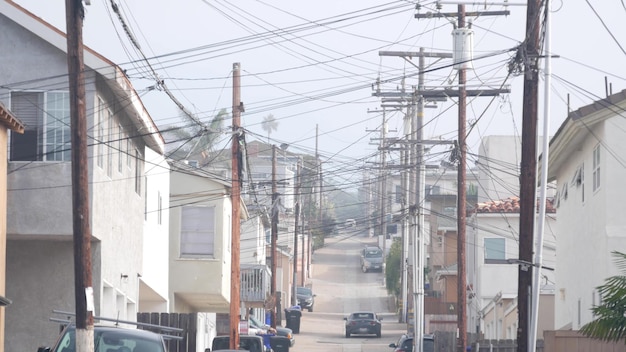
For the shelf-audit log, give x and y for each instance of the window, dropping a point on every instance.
(120, 154)
(109, 140)
(47, 135)
(197, 231)
(495, 251)
(99, 128)
(596, 168)
(160, 209)
(138, 172)
(399, 194)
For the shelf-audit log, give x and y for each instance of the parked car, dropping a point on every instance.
(246, 342)
(363, 323)
(110, 338)
(306, 298)
(371, 259)
(280, 331)
(405, 344)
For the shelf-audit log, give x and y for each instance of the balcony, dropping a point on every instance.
(255, 284)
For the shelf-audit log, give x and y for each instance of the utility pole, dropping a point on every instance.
(461, 60)
(236, 158)
(383, 186)
(461, 200)
(83, 290)
(418, 154)
(528, 169)
(413, 284)
(274, 234)
(294, 293)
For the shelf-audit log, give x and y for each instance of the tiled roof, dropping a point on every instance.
(509, 205)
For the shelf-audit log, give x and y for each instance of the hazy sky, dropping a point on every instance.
(314, 63)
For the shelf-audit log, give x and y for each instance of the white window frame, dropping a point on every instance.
(197, 231)
(48, 118)
(99, 131)
(596, 167)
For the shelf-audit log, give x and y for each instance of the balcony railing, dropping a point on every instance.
(255, 283)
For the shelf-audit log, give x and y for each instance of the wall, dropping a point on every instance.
(154, 279)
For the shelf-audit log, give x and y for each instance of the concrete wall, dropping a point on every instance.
(595, 221)
(40, 265)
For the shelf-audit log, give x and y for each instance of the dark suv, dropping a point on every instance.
(371, 259)
(405, 344)
(306, 298)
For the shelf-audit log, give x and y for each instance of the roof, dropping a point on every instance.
(114, 76)
(9, 120)
(508, 205)
(576, 128)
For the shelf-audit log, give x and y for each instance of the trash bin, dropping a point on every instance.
(292, 316)
(280, 343)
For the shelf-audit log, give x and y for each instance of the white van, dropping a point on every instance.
(350, 223)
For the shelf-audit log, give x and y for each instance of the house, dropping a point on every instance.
(586, 160)
(492, 266)
(200, 241)
(8, 122)
(39, 263)
(441, 299)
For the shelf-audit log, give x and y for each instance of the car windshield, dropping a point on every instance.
(105, 341)
(255, 323)
(304, 291)
(362, 316)
(373, 253)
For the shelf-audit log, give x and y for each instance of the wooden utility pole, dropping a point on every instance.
(294, 300)
(528, 170)
(83, 290)
(236, 157)
(460, 64)
(274, 235)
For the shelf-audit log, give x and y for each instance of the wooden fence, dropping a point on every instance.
(184, 341)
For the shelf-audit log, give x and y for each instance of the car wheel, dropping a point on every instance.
(378, 334)
(310, 309)
(347, 334)
(363, 268)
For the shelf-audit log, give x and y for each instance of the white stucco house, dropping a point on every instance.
(492, 269)
(200, 241)
(587, 162)
(122, 136)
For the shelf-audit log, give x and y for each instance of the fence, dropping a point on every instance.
(185, 341)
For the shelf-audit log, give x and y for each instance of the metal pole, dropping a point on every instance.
(461, 288)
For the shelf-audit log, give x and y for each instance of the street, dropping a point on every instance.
(342, 288)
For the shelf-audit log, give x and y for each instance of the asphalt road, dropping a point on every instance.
(341, 288)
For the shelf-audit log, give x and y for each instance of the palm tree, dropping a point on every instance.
(610, 324)
(195, 139)
(269, 124)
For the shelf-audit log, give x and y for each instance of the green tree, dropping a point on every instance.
(610, 322)
(393, 268)
(269, 124)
